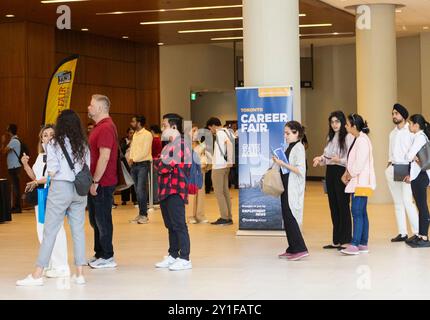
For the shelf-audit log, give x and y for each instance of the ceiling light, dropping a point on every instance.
(61, 1)
(316, 25)
(10, 16)
(398, 10)
(326, 34)
(425, 28)
(227, 38)
(161, 43)
(210, 30)
(84, 29)
(125, 37)
(191, 21)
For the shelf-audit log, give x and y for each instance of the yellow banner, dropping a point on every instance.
(60, 90)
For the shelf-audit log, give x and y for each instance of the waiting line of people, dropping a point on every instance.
(350, 175)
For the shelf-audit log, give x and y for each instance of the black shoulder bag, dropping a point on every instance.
(83, 179)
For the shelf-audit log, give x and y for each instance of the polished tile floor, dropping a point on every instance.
(227, 266)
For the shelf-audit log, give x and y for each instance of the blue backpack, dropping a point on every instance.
(195, 179)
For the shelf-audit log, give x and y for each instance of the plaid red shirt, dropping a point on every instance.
(171, 179)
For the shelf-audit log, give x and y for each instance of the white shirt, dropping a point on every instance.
(38, 167)
(222, 147)
(57, 162)
(400, 142)
(420, 139)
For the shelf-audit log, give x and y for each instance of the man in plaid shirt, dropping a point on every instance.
(174, 169)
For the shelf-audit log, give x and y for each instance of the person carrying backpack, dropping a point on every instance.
(173, 174)
(197, 194)
(14, 151)
(222, 162)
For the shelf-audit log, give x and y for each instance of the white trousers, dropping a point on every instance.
(59, 254)
(403, 203)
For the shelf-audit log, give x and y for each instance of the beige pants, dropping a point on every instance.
(196, 204)
(222, 192)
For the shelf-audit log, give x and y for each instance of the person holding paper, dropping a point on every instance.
(292, 199)
(401, 140)
(58, 265)
(334, 157)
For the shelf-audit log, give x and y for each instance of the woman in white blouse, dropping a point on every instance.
(63, 197)
(335, 158)
(419, 179)
(58, 266)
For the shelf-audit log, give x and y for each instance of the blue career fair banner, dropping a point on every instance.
(263, 113)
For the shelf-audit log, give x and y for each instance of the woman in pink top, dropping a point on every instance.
(360, 172)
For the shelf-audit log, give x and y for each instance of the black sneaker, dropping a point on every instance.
(411, 239)
(419, 243)
(399, 238)
(221, 222)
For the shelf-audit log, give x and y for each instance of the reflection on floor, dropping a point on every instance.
(226, 266)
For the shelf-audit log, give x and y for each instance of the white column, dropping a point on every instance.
(377, 85)
(425, 74)
(272, 46)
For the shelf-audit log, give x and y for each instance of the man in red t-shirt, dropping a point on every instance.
(104, 156)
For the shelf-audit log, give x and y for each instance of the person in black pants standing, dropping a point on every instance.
(13, 151)
(335, 158)
(292, 199)
(419, 179)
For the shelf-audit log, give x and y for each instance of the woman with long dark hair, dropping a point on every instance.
(360, 180)
(334, 158)
(419, 179)
(62, 196)
(292, 199)
(58, 266)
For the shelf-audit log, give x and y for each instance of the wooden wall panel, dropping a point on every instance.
(126, 72)
(12, 50)
(40, 50)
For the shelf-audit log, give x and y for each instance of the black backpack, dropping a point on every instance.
(24, 149)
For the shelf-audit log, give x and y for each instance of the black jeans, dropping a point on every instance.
(14, 178)
(419, 190)
(294, 235)
(100, 214)
(173, 211)
(208, 181)
(339, 205)
(139, 173)
(125, 195)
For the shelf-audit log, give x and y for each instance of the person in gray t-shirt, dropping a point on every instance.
(12, 151)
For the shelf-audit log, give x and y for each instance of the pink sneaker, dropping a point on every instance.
(298, 256)
(284, 255)
(351, 250)
(363, 249)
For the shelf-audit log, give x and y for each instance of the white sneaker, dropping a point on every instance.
(78, 280)
(92, 259)
(192, 221)
(30, 282)
(103, 263)
(135, 219)
(181, 264)
(57, 273)
(204, 221)
(167, 262)
(143, 220)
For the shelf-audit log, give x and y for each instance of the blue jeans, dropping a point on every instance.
(139, 173)
(361, 221)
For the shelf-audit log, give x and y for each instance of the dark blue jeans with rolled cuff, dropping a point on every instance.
(360, 235)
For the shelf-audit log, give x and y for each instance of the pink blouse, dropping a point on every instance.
(360, 165)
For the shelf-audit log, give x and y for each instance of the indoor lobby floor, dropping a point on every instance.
(226, 266)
